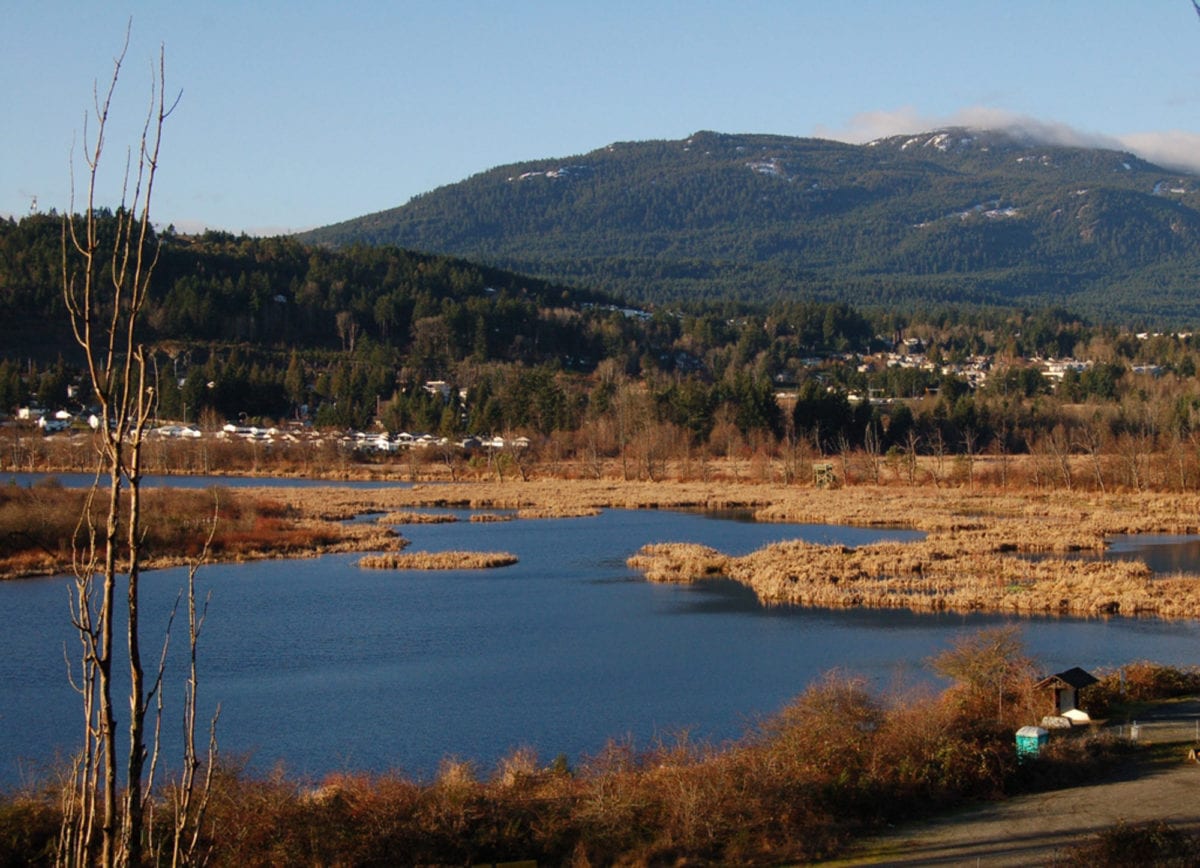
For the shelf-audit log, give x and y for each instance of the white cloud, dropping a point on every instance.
(868, 126)
(908, 121)
(1174, 149)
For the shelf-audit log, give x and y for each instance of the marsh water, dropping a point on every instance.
(321, 666)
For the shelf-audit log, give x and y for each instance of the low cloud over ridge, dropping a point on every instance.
(1174, 149)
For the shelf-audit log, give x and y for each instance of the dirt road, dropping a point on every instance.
(1031, 830)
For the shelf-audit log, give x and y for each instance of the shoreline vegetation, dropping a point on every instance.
(984, 549)
(836, 764)
(438, 561)
(1005, 552)
(41, 533)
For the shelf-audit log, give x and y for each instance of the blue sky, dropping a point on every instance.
(296, 115)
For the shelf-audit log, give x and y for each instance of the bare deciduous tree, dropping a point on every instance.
(107, 262)
(1058, 444)
(939, 455)
(845, 451)
(970, 444)
(873, 449)
(989, 666)
(1092, 437)
(912, 444)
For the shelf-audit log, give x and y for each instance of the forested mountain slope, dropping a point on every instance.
(950, 216)
(218, 287)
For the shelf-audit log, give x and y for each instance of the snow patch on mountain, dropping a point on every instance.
(767, 167)
(992, 210)
(560, 172)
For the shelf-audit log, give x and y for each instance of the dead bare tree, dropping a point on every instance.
(845, 451)
(939, 455)
(1003, 456)
(912, 443)
(1058, 444)
(190, 794)
(970, 451)
(1092, 439)
(107, 263)
(873, 448)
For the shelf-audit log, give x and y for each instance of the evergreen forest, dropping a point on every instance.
(274, 331)
(950, 217)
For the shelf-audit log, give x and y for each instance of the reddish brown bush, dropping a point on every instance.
(1139, 682)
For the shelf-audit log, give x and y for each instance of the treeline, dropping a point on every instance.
(271, 330)
(276, 291)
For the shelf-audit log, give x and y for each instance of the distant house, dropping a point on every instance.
(438, 387)
(1066, 687)
(52, 425)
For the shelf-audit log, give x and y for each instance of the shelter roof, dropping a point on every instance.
(1074, 677)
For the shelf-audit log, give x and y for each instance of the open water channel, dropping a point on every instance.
(323, 666)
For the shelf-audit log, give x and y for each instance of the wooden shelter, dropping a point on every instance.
(1067, 686)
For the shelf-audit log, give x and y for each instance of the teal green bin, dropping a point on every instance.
(1030, 740)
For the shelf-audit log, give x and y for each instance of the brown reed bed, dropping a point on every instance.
(41, 531)
(967, 561)
(547, 497)
(438, 561)
(1064, 521)
(303, 538)
(679, 562)
(557, 511)
(962, 574)
(409, 517)
(492, 517)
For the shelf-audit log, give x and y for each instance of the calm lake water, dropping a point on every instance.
(323, 666)
(1162, 553)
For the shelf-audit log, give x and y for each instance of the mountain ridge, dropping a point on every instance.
(953, 215)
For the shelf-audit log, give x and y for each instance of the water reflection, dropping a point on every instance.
(1164, 554)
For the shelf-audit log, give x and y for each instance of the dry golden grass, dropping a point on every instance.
(557, 511)
(931, 576)
(679, 562)
(547, 497)
(407, 517)
(438, 561)
(486, 517)
(38, 525)
(968, 561)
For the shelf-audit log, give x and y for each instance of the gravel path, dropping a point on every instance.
(1030, 830)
